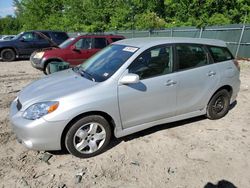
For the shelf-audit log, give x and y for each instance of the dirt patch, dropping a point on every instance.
(188, 153)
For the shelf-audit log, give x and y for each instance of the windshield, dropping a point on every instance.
(66, 43)
(17, 36)
(106, 62)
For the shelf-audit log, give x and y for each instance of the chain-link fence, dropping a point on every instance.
(236, 36)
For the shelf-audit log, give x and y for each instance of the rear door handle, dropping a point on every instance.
(170, 83)
(211, 73)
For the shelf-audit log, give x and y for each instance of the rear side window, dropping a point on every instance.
(100, 43)
(59, 35)
(47, 34)
(191, 56)
(220, 53)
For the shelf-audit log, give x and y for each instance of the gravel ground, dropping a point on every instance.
(188, 153)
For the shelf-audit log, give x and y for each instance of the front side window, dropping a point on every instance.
(28, 36)
(191, 56)
(220, 53)
(84, 43)
(154, 62)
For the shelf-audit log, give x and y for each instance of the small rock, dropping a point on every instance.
(78, 179)
(62, 185)
(46, 157)
(135, 163)
(170, 171)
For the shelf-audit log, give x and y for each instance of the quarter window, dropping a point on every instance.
(220, 53)
(191, 56)
(153, 62)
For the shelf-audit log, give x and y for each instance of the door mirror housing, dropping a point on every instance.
(129, 79)
(22, 39)
(73, 48)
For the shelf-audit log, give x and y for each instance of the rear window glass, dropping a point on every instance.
(100, 43)
(116, 39)
(191, 56)
(220, 53)
(60, 35)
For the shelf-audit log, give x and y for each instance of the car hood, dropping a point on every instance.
(6, 42)
(53, 87)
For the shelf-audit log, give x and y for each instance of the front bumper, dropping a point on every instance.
(36, 134)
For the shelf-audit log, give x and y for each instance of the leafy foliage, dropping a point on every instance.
(106, 15)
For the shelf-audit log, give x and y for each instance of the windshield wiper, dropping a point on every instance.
(84, 73)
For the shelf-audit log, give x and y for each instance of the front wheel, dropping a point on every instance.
(88, 136)
(8, 55)
(46, 69)
(219, 104)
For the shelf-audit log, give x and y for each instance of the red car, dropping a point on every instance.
(74, 50)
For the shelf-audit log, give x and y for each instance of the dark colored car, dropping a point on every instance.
(25, 43)
(74, 50)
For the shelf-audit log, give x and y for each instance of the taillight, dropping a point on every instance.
(236, 63)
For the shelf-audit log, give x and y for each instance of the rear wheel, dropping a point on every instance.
(218, 106)
(88, 136)
(8, 55)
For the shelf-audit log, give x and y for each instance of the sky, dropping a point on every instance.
(6, 8)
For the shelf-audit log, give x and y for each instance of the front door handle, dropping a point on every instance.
(211, 73)
(170, 83)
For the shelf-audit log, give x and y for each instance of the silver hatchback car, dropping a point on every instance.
(129, 86)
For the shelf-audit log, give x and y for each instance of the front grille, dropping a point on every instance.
(18, 105)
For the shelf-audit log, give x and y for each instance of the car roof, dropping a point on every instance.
(154, 41)
(100, 35)
(48, 31)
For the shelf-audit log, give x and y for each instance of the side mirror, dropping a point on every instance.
(73, 48)
(22, 39)
(129, 79)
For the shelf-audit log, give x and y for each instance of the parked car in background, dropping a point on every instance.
(25, 43)
(129, 86)
(7, 37)
(74, 50)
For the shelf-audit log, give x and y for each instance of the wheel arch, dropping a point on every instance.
(226, 87)
(47, 61)
(9, 47)
(100, 113)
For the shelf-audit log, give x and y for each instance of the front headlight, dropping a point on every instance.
(38, 110)
(38, 55)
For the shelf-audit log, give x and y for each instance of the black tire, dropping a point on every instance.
(8, 55)
(86, 138)
(219, 105)
(46, 69)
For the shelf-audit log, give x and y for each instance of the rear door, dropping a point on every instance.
(197, 77)
(40, 42)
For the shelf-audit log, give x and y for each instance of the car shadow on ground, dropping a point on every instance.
(116, 141)
(220, 184)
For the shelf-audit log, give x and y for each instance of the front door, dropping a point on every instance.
(26, 43)
(83, 51)
(154, 97)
